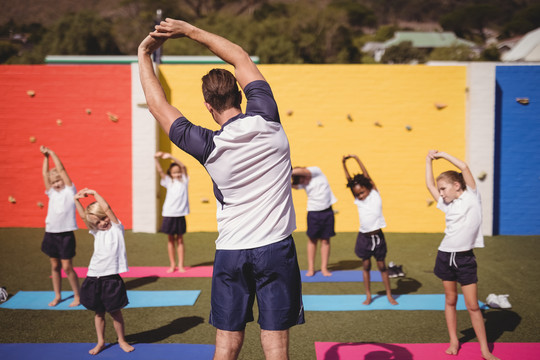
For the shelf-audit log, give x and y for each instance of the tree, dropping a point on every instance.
(453, 53)
(403, 53)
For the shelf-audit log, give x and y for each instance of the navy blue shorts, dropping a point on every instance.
(104, 294)
(173, 225)
(456, 266)
(59, 245)
(320, 224)
(270, 273)
(371, 244)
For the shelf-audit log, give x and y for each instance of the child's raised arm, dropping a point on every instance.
(159, 169)
(104, 205)
(60, 168)
(363, 169)
(344, 161)
(79, 207)
(461, 165)
(430, 180)
(45, 169)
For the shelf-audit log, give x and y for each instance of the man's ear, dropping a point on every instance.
(208, 107)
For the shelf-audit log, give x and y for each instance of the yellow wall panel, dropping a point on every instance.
(331, 110)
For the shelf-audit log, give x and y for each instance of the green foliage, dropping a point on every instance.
(471, 20)
(453, 53)
(7, 50)
(491, 53)
(403, 53)
(523, 21)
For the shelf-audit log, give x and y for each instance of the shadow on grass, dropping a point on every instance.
(405, 285)
(345, 265)
(138, 282)
(396, 352)
(177, 326)
(497, 322)
(206, 263)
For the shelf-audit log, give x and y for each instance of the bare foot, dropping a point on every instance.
(97, 349)
(181, 269)
(392, 301)
(489, 356)
(368, 300)
(310, 273)
(76, 302)
(453, 349)
(170, 270)
(55, 302)
(125, 346)
(326, 273)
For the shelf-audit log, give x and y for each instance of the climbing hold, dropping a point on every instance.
(429, 202)
(440, 106)
(349, 117)
(59, 122)
(12, 200)
(378, 124)
(40, 204)
(88, 111)
(523, 101)
(482, 176)
(31, 93)
(32, 139)
(112, 117)
(289, 113)
(319, 124)
(205, 200)
(408, 127)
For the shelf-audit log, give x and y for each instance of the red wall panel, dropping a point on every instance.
(95, 150)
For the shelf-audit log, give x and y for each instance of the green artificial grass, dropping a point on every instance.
(506, 266)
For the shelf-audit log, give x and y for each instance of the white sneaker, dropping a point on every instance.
(503, 302)
(492, 301)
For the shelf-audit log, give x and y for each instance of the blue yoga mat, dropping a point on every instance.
(39, 300)
(70, 351)
(341, 276)
(379, 302)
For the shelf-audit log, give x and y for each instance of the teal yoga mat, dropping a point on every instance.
(70, 351)
(379, 302)
(39, 300)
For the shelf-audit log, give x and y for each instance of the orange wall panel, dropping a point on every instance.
(95, 151)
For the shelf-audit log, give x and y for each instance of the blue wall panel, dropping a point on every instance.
(517, 157)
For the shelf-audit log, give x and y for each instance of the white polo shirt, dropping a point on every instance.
(370, 212)
(319, 194)
(109, 257)
(463, 222)
(61, 210)
(249, 163)
(176, 201)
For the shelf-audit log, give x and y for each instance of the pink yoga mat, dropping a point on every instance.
(381, 351)
(157, 271)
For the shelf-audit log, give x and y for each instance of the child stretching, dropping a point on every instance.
(59, 240)
(458, 198)
(370, 240)
(103, 290)
(175, 207)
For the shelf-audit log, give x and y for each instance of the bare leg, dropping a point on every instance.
(67, 265)
(470, 293)
(99, 321)
(56, 275)
(325, 255)
(275, 344)
(180, 251)
(450, 295)
(118, 322)
(228, 344)
(366, 263)
(170, 251)
(384, 274)
(311, 250)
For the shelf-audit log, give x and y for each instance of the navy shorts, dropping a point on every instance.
(270, 273)
(320, 224)
(59, 245)
(456, 266)
(104, 294)
(371, 244)
(173, 225)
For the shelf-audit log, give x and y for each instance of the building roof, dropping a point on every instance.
(527, 49)
(429, 39)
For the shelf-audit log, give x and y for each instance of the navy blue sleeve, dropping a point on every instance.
(260, 101)
(195, 140)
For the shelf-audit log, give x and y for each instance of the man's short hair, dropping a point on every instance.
(220, 90)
